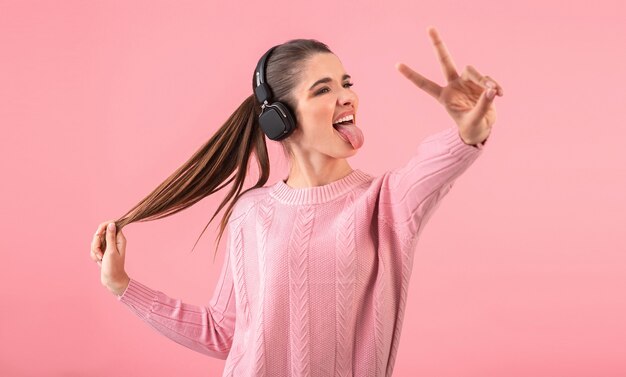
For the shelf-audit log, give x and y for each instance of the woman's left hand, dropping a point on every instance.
(465, 97)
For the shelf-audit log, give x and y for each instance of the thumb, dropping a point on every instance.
(484, 103)
(110, 238)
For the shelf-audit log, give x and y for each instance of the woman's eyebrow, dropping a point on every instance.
(327, 79)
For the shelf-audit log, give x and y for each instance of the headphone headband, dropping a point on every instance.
(276, 119)
(261, 89)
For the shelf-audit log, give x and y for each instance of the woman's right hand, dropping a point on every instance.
(111, 261)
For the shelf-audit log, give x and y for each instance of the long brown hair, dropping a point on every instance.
(210, 168)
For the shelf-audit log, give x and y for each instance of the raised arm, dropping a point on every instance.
(409, 194)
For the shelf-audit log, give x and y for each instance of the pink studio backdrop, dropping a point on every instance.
(521, 272)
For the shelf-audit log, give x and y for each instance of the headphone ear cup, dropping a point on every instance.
(277, 121)
(289, 120)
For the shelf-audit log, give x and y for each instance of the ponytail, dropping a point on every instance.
(209, 169)
(229, 150)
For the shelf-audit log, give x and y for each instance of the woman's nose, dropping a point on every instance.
(348, 96)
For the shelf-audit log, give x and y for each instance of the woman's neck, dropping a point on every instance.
(311, 177)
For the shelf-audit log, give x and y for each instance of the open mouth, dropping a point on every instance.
(349, 132)
(350, 120)
(344, 123)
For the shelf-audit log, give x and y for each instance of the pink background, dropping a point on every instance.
(521, 272)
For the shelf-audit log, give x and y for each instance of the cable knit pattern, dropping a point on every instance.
(242, 297)
(344, 287)
(315, 280)
(266, 214)
(299, 292)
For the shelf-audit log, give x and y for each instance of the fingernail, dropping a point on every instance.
(111, 226)
(491, 93)
(490, 84)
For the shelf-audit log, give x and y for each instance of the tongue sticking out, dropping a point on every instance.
(350, 133)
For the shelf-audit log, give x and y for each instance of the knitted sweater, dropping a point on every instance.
(314, 280)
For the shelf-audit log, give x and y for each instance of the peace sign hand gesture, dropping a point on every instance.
(465, 97)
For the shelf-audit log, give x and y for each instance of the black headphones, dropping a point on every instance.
(276, 120)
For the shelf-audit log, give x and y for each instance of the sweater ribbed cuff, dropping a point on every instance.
(452, 139)
(138, 296)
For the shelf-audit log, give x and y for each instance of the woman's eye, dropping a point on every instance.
(321, 91)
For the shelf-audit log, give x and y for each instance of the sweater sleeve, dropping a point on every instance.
(205, 329)
(410, 194)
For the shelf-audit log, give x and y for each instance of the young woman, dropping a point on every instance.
(315, 277)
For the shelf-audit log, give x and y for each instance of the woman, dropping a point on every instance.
(315, 277)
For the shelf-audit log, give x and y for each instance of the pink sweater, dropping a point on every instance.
(314, 280)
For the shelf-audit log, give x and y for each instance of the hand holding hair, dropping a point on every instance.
(112, 274)
(464, 98)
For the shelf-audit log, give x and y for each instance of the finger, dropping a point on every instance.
(95, 243)
(102, 227)
(110, 238)
(472, 74)
(121, 243)
(500, 91)
(94, 256)
(99, 263)
(100, 231)
(422, 82)
(482, 106)
(96, 246)
(447, 64)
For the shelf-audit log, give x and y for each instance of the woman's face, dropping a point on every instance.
(318, 105)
